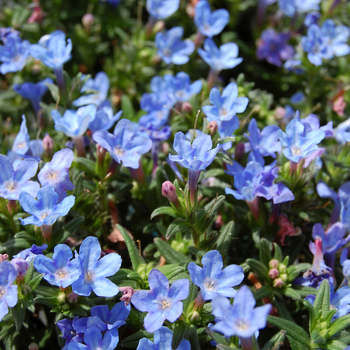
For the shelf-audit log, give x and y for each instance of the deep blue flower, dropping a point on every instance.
(104, 118)
(100, 84)
(163, 338)
(74, 123)
(225, 105)
(8, 292)
(290, 7)
(299, 145)
(69, 333)
(33, 92)
(52, 49)
(316, 45)
(161, 302)
(311, 123)
(94, 341)
(125, 145)
(212, 280)
(180, 86)
(210, 23)
(265, 141)
(29, 254)
(15, 180)
(56, 173)
(158, 107)
(59, 271)
(170, 47)
(13, 54)
(45, 210)
(312, 18)
(241, 318)
(218, 59)
(161, 9)
(273, 47)
(93, 270)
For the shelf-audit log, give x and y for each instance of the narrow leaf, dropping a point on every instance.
(276, 341)
(164, 211)
(339, 324)
(170, 254)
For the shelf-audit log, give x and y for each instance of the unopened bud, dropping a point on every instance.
(212, 127)
(273, 263)
(3, 257)
(158, 27)
(282, 268)
(239, 151)
(128, 293)
(87, 21)
(33, 346)
(61, 298)
(186, 107)
(278, 283)
(273, 273)
(194, 316)
(72, 297)
(280, 112)
(169, 191)
(48, 144)
(284, 277)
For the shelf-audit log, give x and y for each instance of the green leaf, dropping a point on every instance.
(260, 269)
(220, 339)
(18, 313)
(304, 291)
(312, 316)
(213, 173)
(192, 295)
(171, 270)
(127, 108)
(136, 259)
(225, 237)
(293, 330)
(276, 341)
(333, 345)
(278, 252)
(263, 292)
(294, 270)
(295, 345)
(88, 165)
(67, 230)
(193, 338)
(53, 91)
(170, 254)
(282, 310)
(164, 211)
(15, 243)
(291, 293)
(132, 341)
(180, 331)
(6, 329)
(177, 226)
(265, 252)
(322, 300)
(34, 283)
(339, 324)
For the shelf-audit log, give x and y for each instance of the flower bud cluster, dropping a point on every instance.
(278, 273)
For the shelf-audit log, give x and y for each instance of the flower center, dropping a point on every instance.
(89, 277)
(52, 175)
(242, 325)
(17, 58)
(2, 293)
(44, 214)
(61, 274)
(119, 151)
(165, 303)
(210, 284)
(295, 150)
(11, 185)
(21, 145)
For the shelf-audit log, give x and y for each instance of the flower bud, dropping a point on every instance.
(273, 263)
(280, 112)
(273, 273)
(33, 346)
(21, 267)
(3, 257)
(61, 298)
(72, 297)
(284, 277)
(186, 107)
(87, 21)
(48, 144)
(278, 283)
(239, 151)
(282, 268)
(158, 27)
(169, 191)
(128, 293)
(212, 127)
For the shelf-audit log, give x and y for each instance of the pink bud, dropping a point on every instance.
(3, 257)
(87, 21)
(239, 151)
(278, 283)
(33, 346)
(273, 273)
(212, 127)
(169, 191)
(280, 112)
(72, 297)
(128, 293)
(186, 107)
(48, 143)
(273, 263)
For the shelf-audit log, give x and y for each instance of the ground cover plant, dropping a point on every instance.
(174, 174)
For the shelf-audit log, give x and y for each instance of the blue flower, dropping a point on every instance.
(74, 123)
(227, 128)
(290, 7)
(33, 92)
(337, 37)
(29, 254)
(180, 86)
(14, 181)
(56, 173)
(345, 262)
(125, 145)
(265, 141)
(94, 341)
(104, 118)
(52, 49)
(69, 333)
(170, 47)
(163, 338)
(5, 32)
(100, 84)
(93, 270)
(8, 292)
(225, 105)
(21, 143)
(241, 318)
(298, 144)
(161, 302)
(219, 59)
(161, 9)
(60, 270)
(46, 210)
(210, 23)
(342, 132)
(312, 18)
(212, 280)
(13, 54)
(316, 45)
(293, 64)
(273, 47)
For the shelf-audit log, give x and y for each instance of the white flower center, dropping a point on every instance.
(11, 185)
